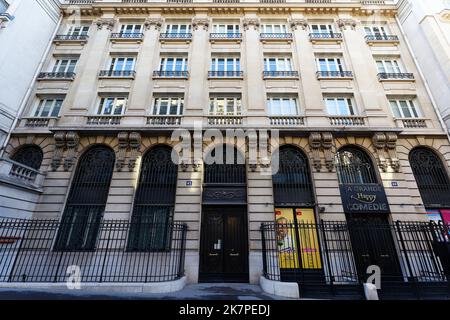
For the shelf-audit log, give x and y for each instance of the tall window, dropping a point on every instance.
(388, 66)
(112, 106)
(322, 28)
(78, 30)
(340, 106)
(65, 65)
(431, 177)
(168, 106)
(292, 183)
(354, 166)
(131, 28)
(404, 109)
(122, 64)
(282, 106)
(330, 64)
(178, 28)
(154, 201)
(226, 28)
(375, 31)
(30, 156)
(274, 28)
(219, 106)
(48, 107)
(87, 200)
(277, 64)
(173, 64)
(226, 64)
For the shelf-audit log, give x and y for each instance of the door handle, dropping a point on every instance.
(213, 254)
(384, 256)
(234, 254)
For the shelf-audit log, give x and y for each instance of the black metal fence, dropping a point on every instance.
(29, 252)
(335, 255)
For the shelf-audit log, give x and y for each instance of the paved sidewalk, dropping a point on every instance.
(204, 291)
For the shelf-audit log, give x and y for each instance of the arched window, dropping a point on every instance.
(30, 156)
(354, 167)
(292, 183)
(154, 201)
(228, 168)
(87, 200)
(431, 177)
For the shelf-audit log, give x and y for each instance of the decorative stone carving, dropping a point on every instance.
(60, 143)
(72, 142)
(295, 23)
(391, 144)
(123, 146)
(135, 149)
(315, 142)
(156, 22)
(344, 23)
(184, 166)
(327, 146)
(253, 166)
(197, 22)
(379, 142)
(108, 23)
(251, 22)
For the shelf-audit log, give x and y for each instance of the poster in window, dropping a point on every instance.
(286, 240)
(309, 241)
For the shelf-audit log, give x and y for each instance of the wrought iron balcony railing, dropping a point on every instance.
(175, 36)
(276, 36)
(395, 76)
(334, 74)
(125, 35)
(226, 36)
(325, 36)
(280, 74)
(387, 38)
(171, 74)
(71, 37)
(117, 74)
(56, 76)
(167, 120)
(225, 74)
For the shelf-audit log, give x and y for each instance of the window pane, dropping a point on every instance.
(57, 108)
(331, 106)
(38, 109)
(72, 66)
(108, 105)
(119, 106)
(47, 107)
(129, 64)
(179, 64)
(395, 109)
(173, 107)
(230, 106)
(405, 109)
(220, 106)
(163, 106)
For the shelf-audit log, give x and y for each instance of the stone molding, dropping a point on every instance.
(343, 24)
(108, 23)
(65, 141)
(251, 22)
(322, 142)
(385, 144)
(155, 22)
(295, 23)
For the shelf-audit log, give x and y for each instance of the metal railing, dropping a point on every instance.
(225, 74)
(117, 74)
(168, 120)
(325, 36)
(226, 35)
(381, 38)
(324, 254)
(171, 74)
(71, 37)
(56, 76)
(125, 35)
(103, 120)
(275, 35)
(30, 252)
(280, 74)
(174, 35)
(334, 74)
(395, 76)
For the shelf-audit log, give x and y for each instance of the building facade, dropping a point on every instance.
(427, 27)
(334, 80)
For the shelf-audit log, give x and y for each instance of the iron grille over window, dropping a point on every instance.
(354, 167)
(431, 177)
(227, 169)
(292, 183)
(30, 156)
(87, 200)
(154, 202)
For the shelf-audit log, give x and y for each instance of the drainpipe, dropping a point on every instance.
(30, 89)
(427, 87)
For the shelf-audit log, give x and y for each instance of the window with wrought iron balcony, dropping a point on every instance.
(284, 111)
(129, 32)
(73, 34)
(225, 68)
(172, 68)
(225, 110)
(392, 70)
(332, 68)
(167, 111)
(342, 112)
(176, 32)
(324, 32)
(225, 32)
(379, 34)
(279, 68)
(121, 68)
(63, 69)
(110, 111)
(275, 32)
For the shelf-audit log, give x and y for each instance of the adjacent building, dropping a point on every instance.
(360, 144)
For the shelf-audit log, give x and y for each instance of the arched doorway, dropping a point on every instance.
(154, 201)
(224, 233)
(87, 198)
(30, 156)
(367, 212)
(433, 183)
